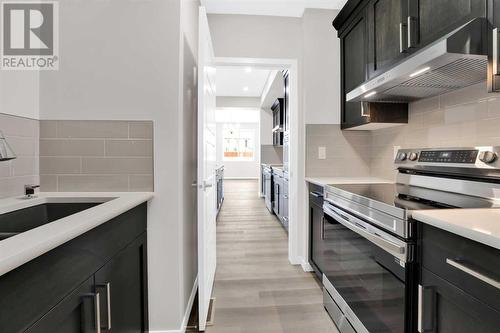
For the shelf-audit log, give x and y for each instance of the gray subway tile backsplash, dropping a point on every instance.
(22, 135)
(77, 156)
(96, 155)
(468, 117)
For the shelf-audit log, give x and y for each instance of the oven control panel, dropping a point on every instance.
(473, 157)
(448, 156)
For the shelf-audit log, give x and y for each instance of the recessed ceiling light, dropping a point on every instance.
(420, 71)
(245, 88)
(370, 94)
(248, 69)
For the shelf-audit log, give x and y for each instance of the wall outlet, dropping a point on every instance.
(396, 149)
(321, 153)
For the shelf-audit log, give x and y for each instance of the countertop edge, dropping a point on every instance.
(324, 181)
(14, 252)
(469, 233)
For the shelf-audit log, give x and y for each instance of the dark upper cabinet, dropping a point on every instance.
(387, 37)
(428, 20)
(278, 110)
(286, 77)
(493, 46)
(354, 60)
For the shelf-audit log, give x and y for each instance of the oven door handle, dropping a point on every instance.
(358, 226)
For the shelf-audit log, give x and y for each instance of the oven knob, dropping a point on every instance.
(402, 156)
(413, 156)
(488, 157)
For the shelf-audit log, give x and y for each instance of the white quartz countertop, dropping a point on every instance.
(18, 250)
(323, 181)
(480, 225)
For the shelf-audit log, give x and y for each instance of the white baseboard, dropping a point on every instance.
(187, 312)
(307, 267)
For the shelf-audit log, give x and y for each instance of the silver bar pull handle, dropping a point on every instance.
(412, 31)
(322, 228)
(467, 270)
(425, 318)
(496, 69)
(95, 297)
(107, 288)
(420, 324)
(397, 250)
(402, 37)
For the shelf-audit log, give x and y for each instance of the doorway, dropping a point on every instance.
(295, 144)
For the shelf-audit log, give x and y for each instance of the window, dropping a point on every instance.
(238, 143)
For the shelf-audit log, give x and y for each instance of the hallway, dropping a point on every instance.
(256, 288)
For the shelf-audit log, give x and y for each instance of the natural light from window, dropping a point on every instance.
(238, 143)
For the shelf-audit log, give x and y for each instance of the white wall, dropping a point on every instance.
(128, 59)
(19, 93)
(321, 67)
(266, 127)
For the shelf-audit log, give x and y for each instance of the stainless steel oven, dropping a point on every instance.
(366, 274)
(368, 234)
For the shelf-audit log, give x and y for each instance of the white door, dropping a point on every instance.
(207, 196)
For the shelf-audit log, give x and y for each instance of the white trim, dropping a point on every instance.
(240, 178)
(306, 266)
(187, 312)
(297, 238)
(189, 305)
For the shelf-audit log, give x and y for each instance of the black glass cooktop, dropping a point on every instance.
(411, 197)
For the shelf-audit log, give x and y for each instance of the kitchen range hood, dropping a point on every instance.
(457, 60)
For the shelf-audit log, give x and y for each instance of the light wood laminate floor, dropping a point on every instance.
(257, 290)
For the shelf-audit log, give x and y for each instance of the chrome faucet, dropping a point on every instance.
(29, 191)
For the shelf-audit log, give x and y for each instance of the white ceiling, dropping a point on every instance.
(233, 81)
(294, 8)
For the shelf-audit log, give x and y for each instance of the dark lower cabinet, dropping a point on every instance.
(457, 290)
(448, 309)
(75, 314)
(98, 277)
(316, 229)
(120, 284)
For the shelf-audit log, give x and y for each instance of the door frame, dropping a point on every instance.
(298, 230)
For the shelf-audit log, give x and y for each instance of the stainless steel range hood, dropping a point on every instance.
(457, 60)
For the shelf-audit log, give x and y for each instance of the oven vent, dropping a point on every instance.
(455, 61)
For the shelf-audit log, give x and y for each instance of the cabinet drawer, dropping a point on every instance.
(471, 266)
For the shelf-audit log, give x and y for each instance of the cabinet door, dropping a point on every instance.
(353, 54)
(430, 19)
(277, 195)
(287, 101)
(122, 286)
(317, 237)
(444, 308)
(76, 313)
(285, 208)
(387, 34)
(493, 42)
